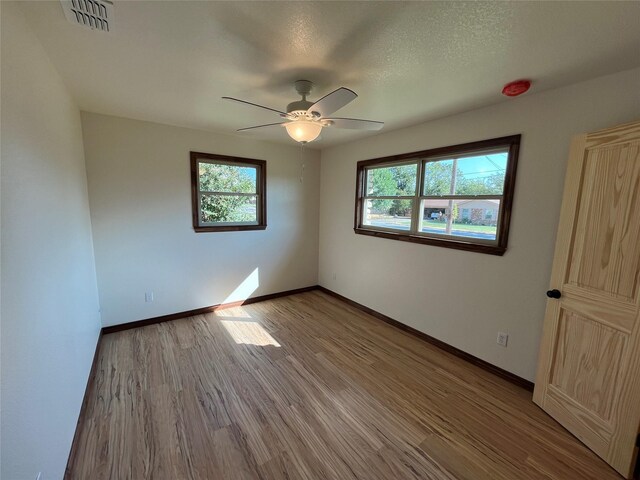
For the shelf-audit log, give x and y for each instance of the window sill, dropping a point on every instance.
(229, 228)
(457, 244)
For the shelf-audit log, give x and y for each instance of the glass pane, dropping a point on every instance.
(472, 219)
(388, 214)
(437, 177)
(392, 181)
(481, 175)
(227, 178)
(228, 208)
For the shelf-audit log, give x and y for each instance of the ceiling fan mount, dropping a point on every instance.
(304, 120)
(299, 108)
(303, 87)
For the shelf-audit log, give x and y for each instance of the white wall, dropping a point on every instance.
(414, 283)
(50, 319)
(140, 196)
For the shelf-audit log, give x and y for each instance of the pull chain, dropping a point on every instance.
(302, 158)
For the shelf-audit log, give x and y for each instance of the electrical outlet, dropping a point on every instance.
(502, 339)
(334, 275)
(148, 297)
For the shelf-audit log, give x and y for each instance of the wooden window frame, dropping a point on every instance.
(261, 191)
(510, 143)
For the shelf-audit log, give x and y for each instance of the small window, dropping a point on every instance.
(228, 193)
(457, 197)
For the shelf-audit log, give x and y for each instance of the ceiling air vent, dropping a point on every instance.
(93, 14)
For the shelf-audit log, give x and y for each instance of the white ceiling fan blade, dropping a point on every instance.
(354, 123)
(260, 126)
(332, 102)
(282, 114)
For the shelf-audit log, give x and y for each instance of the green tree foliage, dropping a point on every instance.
(492, 185)
(437, 177)
(454, 212)
(405, 178)
(228, 179)
(392, 181)
(381, 183)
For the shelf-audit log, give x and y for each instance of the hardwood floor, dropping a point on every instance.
(308, 387)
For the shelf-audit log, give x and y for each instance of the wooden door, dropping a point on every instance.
(589, 366)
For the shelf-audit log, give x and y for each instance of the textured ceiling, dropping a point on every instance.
(170, 62)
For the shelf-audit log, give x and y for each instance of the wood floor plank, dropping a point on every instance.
(307, 387)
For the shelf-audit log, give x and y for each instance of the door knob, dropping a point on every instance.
(555, 293)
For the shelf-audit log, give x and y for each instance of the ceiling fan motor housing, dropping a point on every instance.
(299, 108)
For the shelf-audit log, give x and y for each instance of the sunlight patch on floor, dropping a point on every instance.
(249, 333)
(234, 312)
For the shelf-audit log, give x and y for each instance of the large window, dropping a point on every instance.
(228, 193)
(457, 197)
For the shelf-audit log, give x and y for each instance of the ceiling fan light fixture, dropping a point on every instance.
(303, 131)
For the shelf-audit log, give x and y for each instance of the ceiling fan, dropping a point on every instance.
(304, 120)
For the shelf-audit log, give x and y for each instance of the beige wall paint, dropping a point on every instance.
(415, 283)
(140, 196)
(50, 320)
